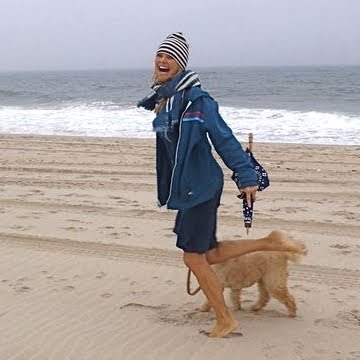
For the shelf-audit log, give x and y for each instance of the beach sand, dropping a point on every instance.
(89, 268)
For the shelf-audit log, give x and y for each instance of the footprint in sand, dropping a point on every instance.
(106, 295)
(123, 202)
(326, 323)
(19, 287)
(116, 234)
(123, 233)
(176, 316)
(23, 289)
(75, 229)
(21, 228)
(143, 292)
(350, 317)
(142, 306)
(115, 197)
(100, 275)
(340, 246)
(68, 195)
(346, 214)
(354, 355)
(302, 287)
(68, 288)
(346, 252)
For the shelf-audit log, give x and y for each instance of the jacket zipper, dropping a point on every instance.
(176, 152)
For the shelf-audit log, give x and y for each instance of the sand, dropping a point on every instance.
(89, 268)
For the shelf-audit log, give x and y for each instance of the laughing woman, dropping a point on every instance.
(191, 181)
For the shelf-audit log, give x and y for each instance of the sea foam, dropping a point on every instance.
(106, 119)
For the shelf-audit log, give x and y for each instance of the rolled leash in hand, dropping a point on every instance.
(263, 183)
(247, 212)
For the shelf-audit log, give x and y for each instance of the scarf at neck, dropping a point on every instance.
(183, 81)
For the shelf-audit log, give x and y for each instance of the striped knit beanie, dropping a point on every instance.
(176, 46)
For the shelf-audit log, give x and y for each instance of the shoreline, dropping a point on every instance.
(115, 138)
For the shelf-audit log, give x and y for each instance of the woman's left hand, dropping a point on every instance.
(250, 193)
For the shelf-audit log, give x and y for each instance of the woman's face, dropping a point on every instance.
(166, 68)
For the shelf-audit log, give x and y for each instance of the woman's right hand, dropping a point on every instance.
(250, 193)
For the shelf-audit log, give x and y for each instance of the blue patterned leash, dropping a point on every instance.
(263, 183)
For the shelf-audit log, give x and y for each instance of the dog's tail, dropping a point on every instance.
(294, 257)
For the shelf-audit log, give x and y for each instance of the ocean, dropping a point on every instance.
(309, 105)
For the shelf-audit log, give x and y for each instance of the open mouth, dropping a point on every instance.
(163, 69)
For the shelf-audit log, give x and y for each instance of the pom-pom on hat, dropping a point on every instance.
(176, 46)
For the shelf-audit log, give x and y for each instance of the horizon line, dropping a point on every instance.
(195, 66)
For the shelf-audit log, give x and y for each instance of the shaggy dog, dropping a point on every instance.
(269, 269)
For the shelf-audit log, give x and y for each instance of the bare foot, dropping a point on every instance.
(222, 329)
(279, 241)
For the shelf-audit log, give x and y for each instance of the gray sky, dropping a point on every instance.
(91, 34)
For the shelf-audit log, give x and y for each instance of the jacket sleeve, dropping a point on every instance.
(227, 146)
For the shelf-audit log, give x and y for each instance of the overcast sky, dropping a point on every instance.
(101, 34)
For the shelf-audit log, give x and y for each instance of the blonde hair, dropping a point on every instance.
(159, 106)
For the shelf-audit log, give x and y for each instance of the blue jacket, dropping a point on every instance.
(195, 176)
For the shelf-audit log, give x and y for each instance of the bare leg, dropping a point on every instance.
(275, 241)
(213, 290)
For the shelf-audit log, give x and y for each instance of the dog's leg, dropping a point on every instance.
(235, 298)
(263, 299)
(205, 307)
(282, 294)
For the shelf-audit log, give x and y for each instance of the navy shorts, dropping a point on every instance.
(196, 227)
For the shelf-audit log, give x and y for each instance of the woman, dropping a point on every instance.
(191, 181)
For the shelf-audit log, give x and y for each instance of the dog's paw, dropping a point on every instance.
(292, 314)
(256, 307)
(204, 307)
(237, 307)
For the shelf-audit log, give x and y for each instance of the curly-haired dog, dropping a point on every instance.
(269, 269)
